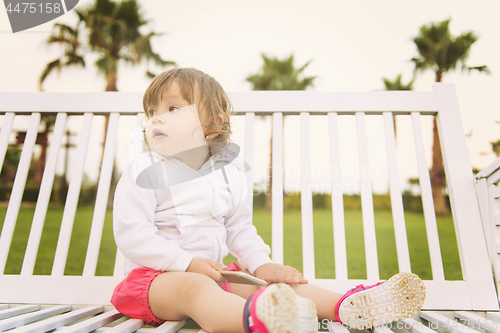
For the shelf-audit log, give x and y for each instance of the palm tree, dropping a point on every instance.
(113, 32)
(397, 85)
(495, 145)
(441, 52)
(276, 74)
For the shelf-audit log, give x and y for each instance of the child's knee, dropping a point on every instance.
(195, 283)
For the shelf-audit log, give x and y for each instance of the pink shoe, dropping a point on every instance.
(399, 297)
(277, 309)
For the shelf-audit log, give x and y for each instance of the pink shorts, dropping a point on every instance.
(130, 296)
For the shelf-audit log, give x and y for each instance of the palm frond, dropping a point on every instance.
(150, 75)
(56, 64)
(480, 69)
(280, 74)
(440, 51)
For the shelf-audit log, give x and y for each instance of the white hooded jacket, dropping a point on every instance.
(164, 219)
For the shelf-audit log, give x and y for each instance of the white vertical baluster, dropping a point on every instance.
(367, 201)
(4, 135)
(101, 201)
(44, 196)
(396, 198)
(427, 201)
(119, 269)
(249, 146)
(306, 200)
(337, 201)
(72, 197)
(277, 189)
(18, 189)
(119, 264)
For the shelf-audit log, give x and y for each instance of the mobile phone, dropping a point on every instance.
(242, 278)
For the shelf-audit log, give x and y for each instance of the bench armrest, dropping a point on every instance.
(491, 170)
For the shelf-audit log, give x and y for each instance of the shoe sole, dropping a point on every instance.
(400, 297)
(307, 314)
(282, 311)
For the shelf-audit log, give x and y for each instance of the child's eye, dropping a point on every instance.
(173, 108)
(151, 113)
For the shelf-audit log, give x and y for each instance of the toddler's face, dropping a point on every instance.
(174, 126)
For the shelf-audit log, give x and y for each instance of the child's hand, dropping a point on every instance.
(279, 273)
(207, 267)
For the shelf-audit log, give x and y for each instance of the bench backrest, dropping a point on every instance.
(476, 290)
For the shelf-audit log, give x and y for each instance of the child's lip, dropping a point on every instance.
(157, 134)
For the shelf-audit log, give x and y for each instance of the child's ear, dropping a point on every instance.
(217, 128)
(220, 122)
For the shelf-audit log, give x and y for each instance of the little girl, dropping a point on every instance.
(182, 206)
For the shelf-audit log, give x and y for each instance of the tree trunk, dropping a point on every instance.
(111, 81)
(42, 139)
(268, 203)
(438, 179)
(395, 127)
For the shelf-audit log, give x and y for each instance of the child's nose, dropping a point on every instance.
(157, 119)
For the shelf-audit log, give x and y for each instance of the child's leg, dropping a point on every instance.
(181, 295)
(324, 299)
(401, 296)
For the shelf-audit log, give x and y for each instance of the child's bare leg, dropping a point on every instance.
(182, 295)
(324, 299)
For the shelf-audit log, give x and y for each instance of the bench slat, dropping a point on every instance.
(72, 197)
(60, 320)
(93, 323)
(339, 242)
(8, 120)
(170, 326)
(319, 102)
(372, 269)
(101, 201)
(306, 200)
(18, 189)
(427, 201)
(398, 216)
(253, 101)
(445, 323)
(277, 189)
(44, 196)
(495, 316)
(29, 318)
(481, 322)
(414, 326)
(128, 326)
(17, 310)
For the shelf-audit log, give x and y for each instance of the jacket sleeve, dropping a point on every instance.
(135, 232)
(242, 238)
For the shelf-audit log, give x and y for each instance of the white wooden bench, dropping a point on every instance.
(46, 302)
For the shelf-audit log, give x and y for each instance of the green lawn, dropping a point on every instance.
(323, 235)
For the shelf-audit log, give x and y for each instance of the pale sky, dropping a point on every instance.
(353, 44)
